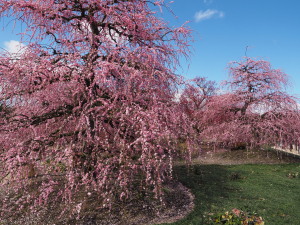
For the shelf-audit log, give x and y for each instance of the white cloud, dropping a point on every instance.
(222, 92)
(14, 47)
(178, 95)
(207, 1)
(207, 14)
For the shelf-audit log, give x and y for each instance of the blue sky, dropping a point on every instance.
(222, 29)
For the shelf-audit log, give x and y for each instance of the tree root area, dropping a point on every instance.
(177, 203)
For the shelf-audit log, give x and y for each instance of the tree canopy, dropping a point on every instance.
(93, 99)
(255, 108)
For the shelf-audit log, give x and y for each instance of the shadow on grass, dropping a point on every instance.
(209, 184)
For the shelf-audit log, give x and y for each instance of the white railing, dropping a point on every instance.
(293, 149)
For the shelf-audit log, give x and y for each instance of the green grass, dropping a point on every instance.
(272, 191)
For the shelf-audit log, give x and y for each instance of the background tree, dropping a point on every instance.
(93, 100)
(256, 110)
(195, 96)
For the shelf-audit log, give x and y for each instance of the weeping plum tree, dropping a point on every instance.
(93, 99)
(195, 96)
(256, 110)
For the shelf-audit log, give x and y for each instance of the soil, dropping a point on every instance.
(178, 202)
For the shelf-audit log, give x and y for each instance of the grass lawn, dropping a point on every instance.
(272, 191)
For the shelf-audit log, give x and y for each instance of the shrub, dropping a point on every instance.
(237, 216)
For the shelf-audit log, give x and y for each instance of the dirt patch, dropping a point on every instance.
(231, 157)
(178, 202)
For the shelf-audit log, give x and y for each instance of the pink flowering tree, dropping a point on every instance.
(194, 99)
(91, 98)
(256, 110)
